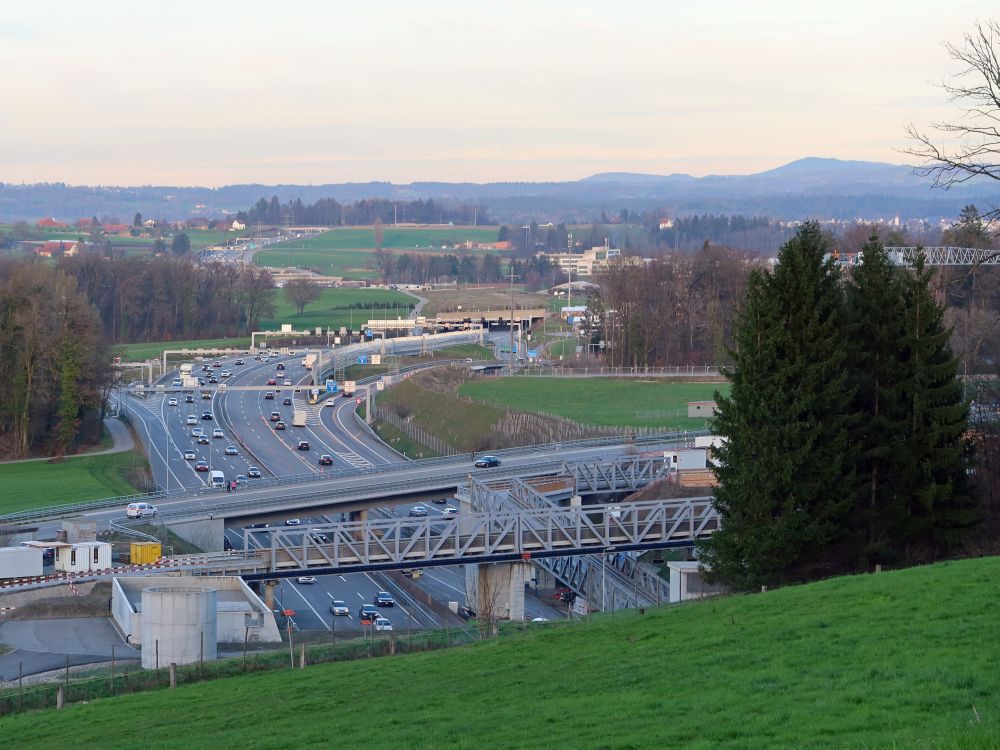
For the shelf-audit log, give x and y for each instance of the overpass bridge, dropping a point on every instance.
(933, 256)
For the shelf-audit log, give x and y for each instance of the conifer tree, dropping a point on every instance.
(875, 335)
(940, 507)
(786, 482)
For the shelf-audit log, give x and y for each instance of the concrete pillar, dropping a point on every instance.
(500, 588)
(269, 587)
(575, 501)
(360, 516)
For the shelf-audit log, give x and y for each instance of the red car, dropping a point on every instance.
(326, 460)
(272, 381)
(201, 466)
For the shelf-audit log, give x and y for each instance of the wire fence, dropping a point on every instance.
(409, 429)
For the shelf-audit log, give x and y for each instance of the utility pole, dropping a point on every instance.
(512, 316)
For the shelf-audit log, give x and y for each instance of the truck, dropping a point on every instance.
(688, 459)
(349, 387)
(299, 418)
(309, 360)
(186, 369)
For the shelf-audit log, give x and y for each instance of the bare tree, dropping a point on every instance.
(300, 292)
(975, 133)
(484, 596)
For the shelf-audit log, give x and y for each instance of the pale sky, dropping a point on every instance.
(214, 93)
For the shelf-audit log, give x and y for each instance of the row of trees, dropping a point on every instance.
(329, 212)
(53, 363)
(844, 425)
(677, 309)
(167, 298)
(425, 268)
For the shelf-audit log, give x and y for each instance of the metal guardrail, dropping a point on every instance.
(61, 511)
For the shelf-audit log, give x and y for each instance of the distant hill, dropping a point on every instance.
(813, 187)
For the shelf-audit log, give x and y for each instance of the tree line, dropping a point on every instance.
(328, 212)
(845, 429)
(53, 362)
(167, 298)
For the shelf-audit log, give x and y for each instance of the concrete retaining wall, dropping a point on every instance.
(208, 534)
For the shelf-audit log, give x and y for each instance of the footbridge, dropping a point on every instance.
(933, 256)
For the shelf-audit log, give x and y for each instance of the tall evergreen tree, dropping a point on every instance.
(934, 482)
(786, 470)
(876, 330)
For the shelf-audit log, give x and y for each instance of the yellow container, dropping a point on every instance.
(143, 553)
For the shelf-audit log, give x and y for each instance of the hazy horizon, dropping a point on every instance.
(235, 93)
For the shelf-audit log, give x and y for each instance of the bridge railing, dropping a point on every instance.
(60, 511)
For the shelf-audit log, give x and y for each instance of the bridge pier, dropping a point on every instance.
(496, 590)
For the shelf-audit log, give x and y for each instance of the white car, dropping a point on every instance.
(197, 432)
(339, 608)
(292, 522)
(288, 382)
(140, 510)
(218, 433)
(306, 579)
(171, 401)
(231, 450)
(382, 624)
(189, 456)
(450, 512)
(192, 419)
(226, 374)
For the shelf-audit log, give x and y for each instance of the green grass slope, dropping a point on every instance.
(895, 660)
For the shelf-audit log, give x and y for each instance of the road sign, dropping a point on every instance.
(357, 401)
(533, 353)
(362, 359)
(376, 359)
(525, 555)
(380, 385)
(331, 386)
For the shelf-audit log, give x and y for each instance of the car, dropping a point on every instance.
(171, 401)
(303, 445)
(176, 383)
(439, 500)
(231, 450)
(253, 472)
(189, 399)
(339, 608)
(280, 366)
(213, 379)
(539, 619)
(269, 396)
(189, 456)
(288, 382)
(279, 425)
(239, 363)
(201, 466)
(207, 415)
(205, 368)
(140, 510)
(201, 381)
(485, 462)
(326, 460)
(292, 522)
(367, 612)
(226, 374)
(306, 579)
(263, 525)
(418, 511)
(450, 512)
(218, 433)
(191, 419)
(286, 401)
(197, 432)
(206, 395)
(384, 599)
(216, 364)
(203, 440)
(321, 538)
(382, 625)
(466, 613)
(275, 416)
(272, 381)
(241, 479)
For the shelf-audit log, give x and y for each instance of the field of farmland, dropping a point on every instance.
(328, 310)
(347, 251)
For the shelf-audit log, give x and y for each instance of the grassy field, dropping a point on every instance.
(40, 484)
(476, 298)
(599, 401)
(348, 252)
(895, 660)
(322, 313)
(199, 238)
(137, 352)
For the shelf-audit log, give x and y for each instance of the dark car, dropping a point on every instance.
(253, 472)
(303, 445)
(272, 381)
(280, 366)
(485, 462)
(367, 613)
(384, 599)
(269, 396)
(466, 613)
(239, 362)
(207, 415)
(418, 511)
(326, 460)
(213, 379)
(286, 401)
(189, 399)
(203, 440)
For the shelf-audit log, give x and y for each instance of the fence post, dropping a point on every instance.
(173, 675)
(59, 698)
(392, 644)
(67, 669)
(302, 656)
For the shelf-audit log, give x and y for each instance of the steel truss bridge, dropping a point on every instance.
(933, 256)
(483, 537)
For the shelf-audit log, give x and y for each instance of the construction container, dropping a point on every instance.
(144, 553)
(20, 562)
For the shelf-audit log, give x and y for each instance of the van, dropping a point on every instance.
(140, 510)
(218, 479)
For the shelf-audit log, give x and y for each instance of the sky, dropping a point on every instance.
(215, 93)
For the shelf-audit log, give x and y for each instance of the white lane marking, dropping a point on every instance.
(303, 598)
(443, 583)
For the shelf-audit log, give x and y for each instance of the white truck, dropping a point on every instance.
(349, 387)
(299, 418)
(186, 369)
(687, 459)
(309, 360)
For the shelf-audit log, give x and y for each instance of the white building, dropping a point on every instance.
(587, 263)
(82, 557)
